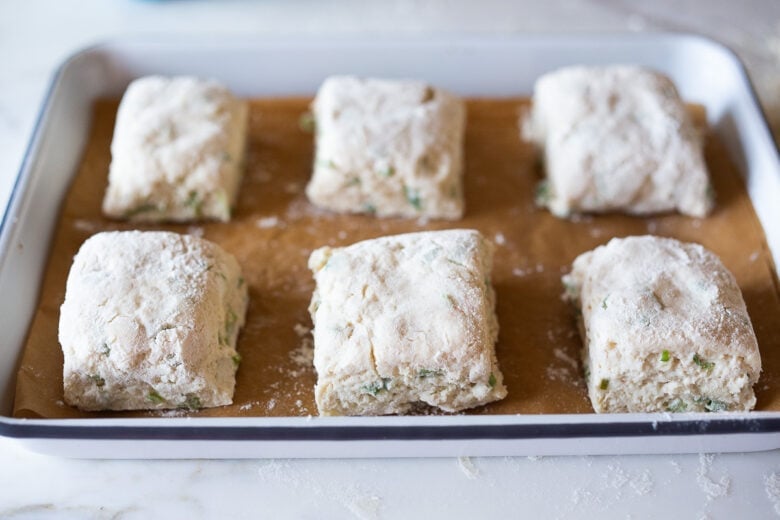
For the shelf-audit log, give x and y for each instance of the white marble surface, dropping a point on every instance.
(36, 35)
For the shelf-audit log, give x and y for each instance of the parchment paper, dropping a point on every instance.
(275, 229)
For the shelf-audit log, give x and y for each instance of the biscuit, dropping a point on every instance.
(388, 148)
(405, 320)
(617, 139)
(150, 321)
(664, 328)
(177, 151)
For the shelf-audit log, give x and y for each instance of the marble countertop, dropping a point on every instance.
(36, 35)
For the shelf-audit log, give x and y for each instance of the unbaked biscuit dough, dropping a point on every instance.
(617, 138)
(404, 320)
(177, 151)
(150, 320)
(664, 328)
(388, 148)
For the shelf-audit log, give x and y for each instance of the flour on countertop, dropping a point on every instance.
(468, 468)
(641, 483)
(364, 503)
(772, 489)
(710, 487)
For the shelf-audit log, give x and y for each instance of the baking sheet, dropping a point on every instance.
(274, 230)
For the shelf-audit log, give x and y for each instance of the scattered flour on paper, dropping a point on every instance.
(468, 468)
(267, 222)
(712, 489)
(195, 231)
(772, 489)
(88, 226)
(303, 354)
(499, 239)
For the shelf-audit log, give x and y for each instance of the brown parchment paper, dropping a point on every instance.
(275, 229)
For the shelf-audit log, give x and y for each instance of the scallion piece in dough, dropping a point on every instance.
(191, 402)
(154, 397)
(706, 365)
(387, 172)
(142, 208)
(413, 197)
(376, 387)
(665, 356)
(604, 384)
(307, 123)
(542, 194)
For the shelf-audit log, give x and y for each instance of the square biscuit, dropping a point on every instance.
(664, 328)
(617, 139)
(150, 321)
(405, 320)
(177, 151)
(388, 148)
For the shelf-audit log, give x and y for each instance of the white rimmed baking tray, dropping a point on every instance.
(704, 71)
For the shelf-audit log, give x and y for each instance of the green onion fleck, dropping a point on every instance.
(413, 197)
(712, 405)
(99, 381)
(354, 181)
(604, 384)
(191, 402)
(105, 349)
(154, 397)
(194, 202)
(492, 380)
(369, 208)
(236, 359)
(326, 163)
(710, 192)
(665, 356)
(604, 303)
(307, 123)
(142, 208)
(677, 405)
(706, 365)
(375, 387)
(241, 281)
(387, 172)
(424, 372)
(542, 194)
(230, 322)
